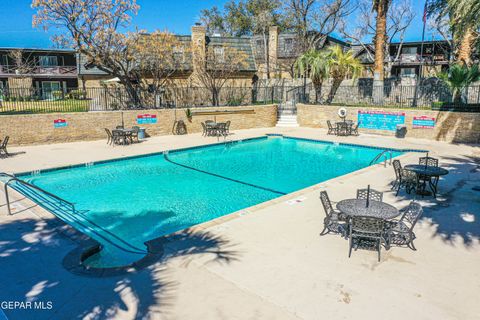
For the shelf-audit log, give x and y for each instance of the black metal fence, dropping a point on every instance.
(432, 97)
(38, 100)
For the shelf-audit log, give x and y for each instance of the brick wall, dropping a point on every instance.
(84, 126)
(453, 127)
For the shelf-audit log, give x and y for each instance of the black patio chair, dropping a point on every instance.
(109, 136)
(333, 222)
(227, 127)
(367, 233)
(3, 146)
(204, 127)
(211, 128)
(400, 233)
(355, 130)
(222, 129)
(331, 129)
(135, 131)
(119, 127)
(403, 178)
(372, 194)
(431, 162)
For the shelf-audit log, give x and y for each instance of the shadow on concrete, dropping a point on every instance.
(31, 252)
(456, 211)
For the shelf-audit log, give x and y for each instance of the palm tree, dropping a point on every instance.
(381, 8)
(463, 16)
(342, 64)
(315, 65)
(458, 78)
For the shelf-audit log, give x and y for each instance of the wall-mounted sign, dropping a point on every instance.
(147, 119)
(380, 120)
(423, 122)
(59, 123)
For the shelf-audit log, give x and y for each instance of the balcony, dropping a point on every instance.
(415, 59)
(51, 72)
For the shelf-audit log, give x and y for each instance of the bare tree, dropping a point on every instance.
(158, 57)
(440, 25)
(399, 19)
(24, 63)
(314, 20)
(93, 27)
(216, 66)
(262, 23)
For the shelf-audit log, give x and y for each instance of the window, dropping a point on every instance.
(407, 72)
(288, 46)
(48, 61)
(219, 53)
(3, 60)
(178, 55)
(409, 50)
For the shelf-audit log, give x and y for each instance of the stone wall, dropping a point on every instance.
(453, 127)
(84, 126)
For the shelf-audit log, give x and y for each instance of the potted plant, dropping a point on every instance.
(188, 114)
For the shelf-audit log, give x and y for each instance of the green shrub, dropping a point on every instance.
(76, 95)
(232, 102)
(438, 104)
(57, 95)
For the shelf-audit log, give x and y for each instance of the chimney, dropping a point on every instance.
(273, 33)
(199, 47)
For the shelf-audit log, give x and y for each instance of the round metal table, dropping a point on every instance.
(426, 173)
(427, 170)
(376, 209)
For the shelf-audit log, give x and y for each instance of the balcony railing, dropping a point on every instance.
(59, 71)
(416, 59)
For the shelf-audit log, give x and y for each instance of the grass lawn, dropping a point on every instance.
(43, 106)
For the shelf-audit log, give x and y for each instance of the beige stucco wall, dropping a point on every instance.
(454, 127)
(83, 126)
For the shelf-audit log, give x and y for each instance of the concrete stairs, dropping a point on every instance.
(287, 116)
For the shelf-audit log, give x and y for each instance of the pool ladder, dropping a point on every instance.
(386, 154)
(12, 178)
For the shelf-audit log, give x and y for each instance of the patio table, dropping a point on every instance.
(217, 127)
(126, 133)
(375, 209)
(344, 128)
(428, 172)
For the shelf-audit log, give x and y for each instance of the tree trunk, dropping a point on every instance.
(318, 90)
(333, 90)
(266, 50)
(465, 49)
(380, 38)
(215, 98)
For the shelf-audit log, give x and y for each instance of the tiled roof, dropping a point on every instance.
(241, 44)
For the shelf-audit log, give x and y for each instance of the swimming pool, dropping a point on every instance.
(122, 204)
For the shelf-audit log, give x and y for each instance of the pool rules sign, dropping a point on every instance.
(146, 119)
(423, 122)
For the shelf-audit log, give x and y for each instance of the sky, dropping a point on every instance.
(176, 16)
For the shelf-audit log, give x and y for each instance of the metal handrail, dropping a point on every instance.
(29, 185)
(384, 154)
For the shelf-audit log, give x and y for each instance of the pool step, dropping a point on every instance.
(287, 120)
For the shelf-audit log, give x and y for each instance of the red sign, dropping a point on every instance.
(59, 123)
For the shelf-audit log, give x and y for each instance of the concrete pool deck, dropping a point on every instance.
(267, 263)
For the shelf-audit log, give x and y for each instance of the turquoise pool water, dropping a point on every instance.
(123, 204)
